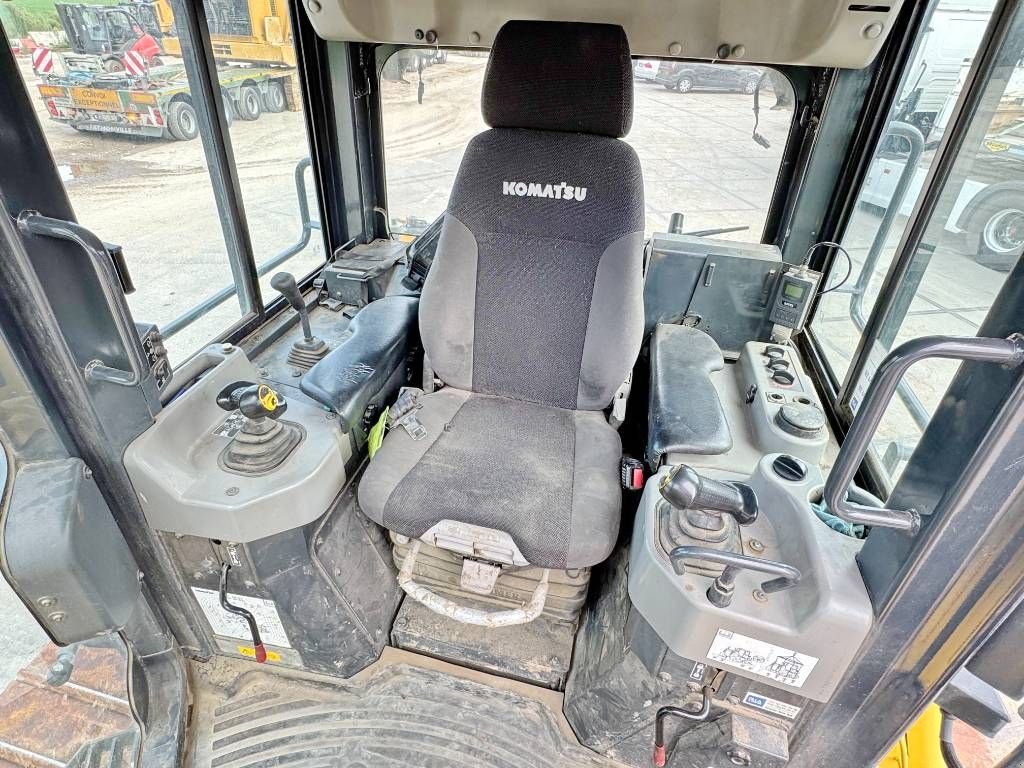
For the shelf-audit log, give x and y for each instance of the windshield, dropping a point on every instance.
(693, 126)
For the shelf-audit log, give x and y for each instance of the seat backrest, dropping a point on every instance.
(535, 292)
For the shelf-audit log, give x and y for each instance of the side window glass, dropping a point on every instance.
(973, 239)
(112, 94)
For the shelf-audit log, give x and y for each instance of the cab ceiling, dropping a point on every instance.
(809, 32)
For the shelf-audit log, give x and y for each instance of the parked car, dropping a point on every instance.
(686, 76)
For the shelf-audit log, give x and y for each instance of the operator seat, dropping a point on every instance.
(532, 312)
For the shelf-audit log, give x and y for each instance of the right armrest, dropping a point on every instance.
(348, 378)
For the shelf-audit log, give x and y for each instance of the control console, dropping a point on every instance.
(222, 462)
(784, 412)
(738, 574)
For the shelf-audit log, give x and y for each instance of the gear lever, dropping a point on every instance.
(307, 350)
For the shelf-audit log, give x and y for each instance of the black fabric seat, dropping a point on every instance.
(532, 313)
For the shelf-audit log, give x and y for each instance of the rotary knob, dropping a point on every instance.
(805, 421)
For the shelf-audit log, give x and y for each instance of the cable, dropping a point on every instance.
(838, 247)
(946, 742)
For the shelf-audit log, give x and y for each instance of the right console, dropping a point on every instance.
(737, 605)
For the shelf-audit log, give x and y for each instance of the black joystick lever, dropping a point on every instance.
(685, 489)
(306, 351)
(262, 443)
(255, 401)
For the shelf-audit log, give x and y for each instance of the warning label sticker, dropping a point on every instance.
(228, 625)
(231, 425)
(772, 661)
(774, 706)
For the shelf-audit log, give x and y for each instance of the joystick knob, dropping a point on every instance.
(686, 489)
(255, 401)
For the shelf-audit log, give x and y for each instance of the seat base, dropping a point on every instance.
(441, 571)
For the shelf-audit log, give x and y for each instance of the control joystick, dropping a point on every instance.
(685, 489)
(702, 512)
(262, 442)
(306, 351)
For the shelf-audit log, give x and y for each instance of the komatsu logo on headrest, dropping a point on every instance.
(561, 191)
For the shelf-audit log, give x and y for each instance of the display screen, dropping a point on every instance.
(794, 290)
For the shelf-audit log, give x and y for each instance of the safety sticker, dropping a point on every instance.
(774, 706)
(231, 425)
(248, 650)
(228, 625)
(772, 661)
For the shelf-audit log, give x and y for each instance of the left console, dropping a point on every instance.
(206, 469)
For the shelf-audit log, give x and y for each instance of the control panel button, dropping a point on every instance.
(783, 377)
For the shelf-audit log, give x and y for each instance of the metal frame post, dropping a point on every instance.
(204, 85)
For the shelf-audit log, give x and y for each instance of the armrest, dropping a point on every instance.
(353, 374)
(686, 415)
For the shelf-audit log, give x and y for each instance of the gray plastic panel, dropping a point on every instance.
(725, 284)
(183, 489)
(825, 617)
(65, 553)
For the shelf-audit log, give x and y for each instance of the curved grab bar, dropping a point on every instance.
(1007, 352)
(720, 591)
(33, 222)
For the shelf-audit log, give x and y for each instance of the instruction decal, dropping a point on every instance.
(228, 625)
(231, 425)
(772, 706)
(772, 661)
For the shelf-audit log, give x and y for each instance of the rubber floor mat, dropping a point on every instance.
(398, 714)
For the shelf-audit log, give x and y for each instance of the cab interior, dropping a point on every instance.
(559, 478)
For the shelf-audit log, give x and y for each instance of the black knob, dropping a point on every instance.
(255, 401)
(789, 468)
(284, 283)
(684, 488)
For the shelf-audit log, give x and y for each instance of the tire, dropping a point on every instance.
(995, 232)
(750, 87)
(182, 121)
(113, 65)
(684, 84)
(249, 105)
(274, 99)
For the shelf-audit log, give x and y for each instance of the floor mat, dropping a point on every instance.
(399, 712)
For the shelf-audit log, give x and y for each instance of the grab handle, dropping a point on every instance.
(1007, 352)
(33, 222)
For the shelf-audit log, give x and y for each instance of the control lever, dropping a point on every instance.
(709, 690)
(721, 590)
(259, 650)
(262, 442)
(685, 489)
(306, 351)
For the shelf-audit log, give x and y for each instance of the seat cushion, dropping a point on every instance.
(549, 477)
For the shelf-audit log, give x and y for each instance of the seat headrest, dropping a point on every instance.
(560, 76)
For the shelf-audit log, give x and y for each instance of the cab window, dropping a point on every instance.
(693, 130)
